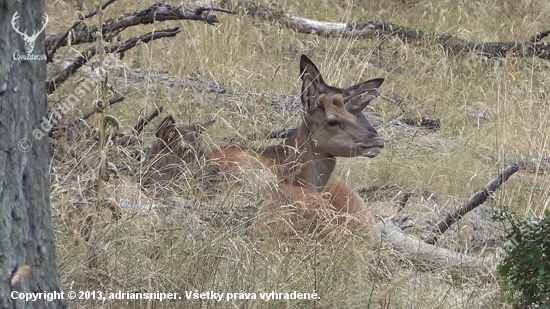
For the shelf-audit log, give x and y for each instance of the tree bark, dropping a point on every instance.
(27, 255)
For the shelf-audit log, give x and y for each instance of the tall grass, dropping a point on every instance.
(487, 107)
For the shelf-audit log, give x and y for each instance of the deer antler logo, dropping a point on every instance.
(29, 40)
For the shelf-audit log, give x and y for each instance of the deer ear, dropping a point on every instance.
(308, 67)
(309, 94)
(361, 95)
(365, 86)
(165, 127)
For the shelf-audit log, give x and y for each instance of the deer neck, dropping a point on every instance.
(300, 162)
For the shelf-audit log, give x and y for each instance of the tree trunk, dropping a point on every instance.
(27, 245)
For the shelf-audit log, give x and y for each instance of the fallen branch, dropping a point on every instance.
(103, 7)
(430, 124)
(52, 133)
(63, 38)
(377, 28)
(52, 84)
(158, 12)
(144, 121)
(93, 111)
(433, 257)
(479, 198)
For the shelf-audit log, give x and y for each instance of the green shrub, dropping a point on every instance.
(526, 269)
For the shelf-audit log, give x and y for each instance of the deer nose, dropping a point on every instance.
(376, 140)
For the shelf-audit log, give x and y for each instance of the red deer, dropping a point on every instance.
(293, 203)
(174, 148)
(356, 98)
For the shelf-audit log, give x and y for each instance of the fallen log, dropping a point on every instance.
(433, 257)
(380, 29)
(477, 199)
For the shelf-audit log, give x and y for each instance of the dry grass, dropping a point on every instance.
(190, 246)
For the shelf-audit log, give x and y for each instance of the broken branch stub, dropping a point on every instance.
(477, 199)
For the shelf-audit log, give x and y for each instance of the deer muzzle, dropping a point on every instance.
(372, 147)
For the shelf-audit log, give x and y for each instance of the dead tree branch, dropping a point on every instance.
(103, 7)
(144, 121)
(93, 111)
(53, 131)
(201, 10)
(433, 257)
(158, 12)
(52, 84)
(430, 124)
(57, 43)
(477, 199)
(377, 28)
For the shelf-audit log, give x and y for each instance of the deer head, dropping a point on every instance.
(174, 147)
(334, 131)
(356, 97)
(29, 40)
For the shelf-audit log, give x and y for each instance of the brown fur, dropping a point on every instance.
(293, 206)
(290, 210)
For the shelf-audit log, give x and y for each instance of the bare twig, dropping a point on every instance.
(539, 36)
(64, 37)
(92, 51)
(84, 117)
(403, 199)
(393, 101)
(144, 121)
(57, 43)
(105, 5)
(93, 111)
(158, 12)
(377, 28)
(479, 198)
(201, 10)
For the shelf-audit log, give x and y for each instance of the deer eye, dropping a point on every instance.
(333, 123)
